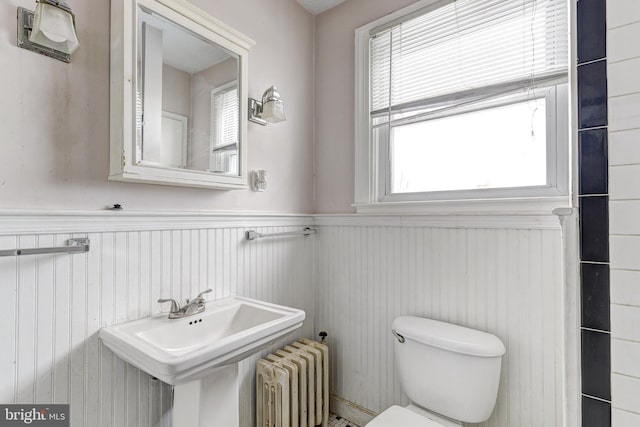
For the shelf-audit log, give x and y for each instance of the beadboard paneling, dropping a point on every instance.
(52, 307)
(507, 282)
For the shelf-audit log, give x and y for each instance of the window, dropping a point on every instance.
(224, 129)
(463, 99)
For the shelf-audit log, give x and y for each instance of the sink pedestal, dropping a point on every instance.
(212, 401)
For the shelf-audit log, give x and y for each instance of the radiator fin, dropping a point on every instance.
(292, 386)
(292, 369)
(272, 395)
(324, 350)
(303, 390)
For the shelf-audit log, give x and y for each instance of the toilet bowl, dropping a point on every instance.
(450, 374)
(397, 416)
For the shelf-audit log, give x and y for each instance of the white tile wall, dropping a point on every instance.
(623, 147)
(624, 252)
(625, 391)
(623, 216)
(623, 183)
(622, 76)
(623, 57)
(624, 112)
(52, 306)
(624, 322)
(622, 12)
(625, 356)
(625, 287)
(622, 418)
(618, 46)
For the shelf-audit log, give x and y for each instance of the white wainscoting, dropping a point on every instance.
(506, 281)
(52, 306)
(501, 276)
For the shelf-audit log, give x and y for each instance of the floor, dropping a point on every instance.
(336, 421)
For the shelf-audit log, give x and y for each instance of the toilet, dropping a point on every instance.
(450, 374)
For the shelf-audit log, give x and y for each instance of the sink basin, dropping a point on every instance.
(178, 351)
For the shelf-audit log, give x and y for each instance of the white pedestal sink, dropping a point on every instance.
(199, 354)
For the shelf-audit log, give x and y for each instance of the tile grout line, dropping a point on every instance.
(593, 61)
(628, 24)
(596, 398)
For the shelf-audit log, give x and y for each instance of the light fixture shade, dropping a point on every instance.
(53, 27)
(272, 106)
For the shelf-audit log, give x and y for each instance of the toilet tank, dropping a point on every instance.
(448, 369)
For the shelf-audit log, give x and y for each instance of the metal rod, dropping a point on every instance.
(72, 246)
(253, 235)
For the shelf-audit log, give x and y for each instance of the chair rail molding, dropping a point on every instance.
(14, 222)
(46, 222)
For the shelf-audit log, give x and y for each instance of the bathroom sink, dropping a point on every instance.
(182, 350)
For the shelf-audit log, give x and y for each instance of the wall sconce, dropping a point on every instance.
(50, 30)
(270, 109)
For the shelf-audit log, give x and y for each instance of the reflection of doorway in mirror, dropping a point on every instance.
(173, 150)
(224, 129)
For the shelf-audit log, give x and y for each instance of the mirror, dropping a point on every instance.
(189, 106)
(188, 98)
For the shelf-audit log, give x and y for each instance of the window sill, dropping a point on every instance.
(530, 206)
(517, 213)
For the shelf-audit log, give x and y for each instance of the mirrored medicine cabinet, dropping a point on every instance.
(178, 96)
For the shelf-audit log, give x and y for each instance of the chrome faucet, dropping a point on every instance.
(190, 307)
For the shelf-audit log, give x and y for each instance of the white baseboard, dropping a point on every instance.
(350, 411)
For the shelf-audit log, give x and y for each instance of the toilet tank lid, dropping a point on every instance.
(450, 337)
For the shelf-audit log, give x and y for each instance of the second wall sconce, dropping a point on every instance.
(49, 30)
(269, 109)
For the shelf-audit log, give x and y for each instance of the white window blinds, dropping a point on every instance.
(459, 51)
(224, 117)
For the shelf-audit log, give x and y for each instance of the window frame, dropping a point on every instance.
(372, 167)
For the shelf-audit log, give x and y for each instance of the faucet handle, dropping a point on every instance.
(202, 293)
(175, 307)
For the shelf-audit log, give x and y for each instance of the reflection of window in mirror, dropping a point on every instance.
(224, 129)
(214, 77)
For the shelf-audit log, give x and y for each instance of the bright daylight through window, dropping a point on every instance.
(514, 156)
(467, 99)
